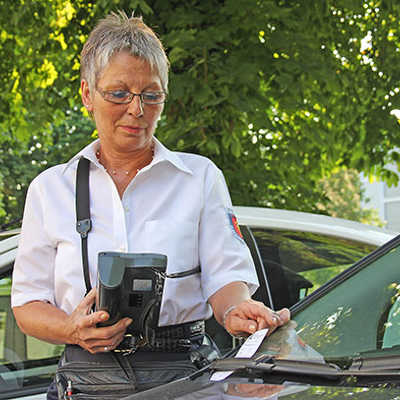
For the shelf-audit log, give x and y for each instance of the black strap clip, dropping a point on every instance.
(83, 227)
(130, 344)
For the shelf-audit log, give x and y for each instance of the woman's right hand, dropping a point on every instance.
(84, 330)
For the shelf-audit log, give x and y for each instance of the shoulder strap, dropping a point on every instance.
(182, 274)
(83, 222)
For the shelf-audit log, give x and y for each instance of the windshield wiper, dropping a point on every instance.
(274, 370)
(375, 363)
(273, 365)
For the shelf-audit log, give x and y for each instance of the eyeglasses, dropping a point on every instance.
(125, 97)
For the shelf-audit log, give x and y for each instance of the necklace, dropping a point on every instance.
(125, 172)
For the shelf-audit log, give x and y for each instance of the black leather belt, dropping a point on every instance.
(172, 338)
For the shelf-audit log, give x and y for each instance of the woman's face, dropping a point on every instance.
(124, 127)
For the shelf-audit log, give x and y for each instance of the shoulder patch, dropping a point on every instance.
(234, 224)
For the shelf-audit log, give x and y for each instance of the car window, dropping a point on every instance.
(358, 315)
(5, 235)
(25, 362)
(297, 263)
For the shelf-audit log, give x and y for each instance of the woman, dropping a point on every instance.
(143, 198)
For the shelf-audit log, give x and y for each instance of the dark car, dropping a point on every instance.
(295, 253)
(343, 343)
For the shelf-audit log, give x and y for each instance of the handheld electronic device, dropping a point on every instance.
(131, 285)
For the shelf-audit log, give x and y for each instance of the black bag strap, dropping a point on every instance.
(183, 274)
(83, 222)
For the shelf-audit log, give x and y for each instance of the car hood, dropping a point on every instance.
(283, 367)
(240, 389)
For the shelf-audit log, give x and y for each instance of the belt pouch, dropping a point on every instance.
(81, 375)
(155, 373)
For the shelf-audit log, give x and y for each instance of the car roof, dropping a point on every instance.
(8, 250)
(262, 217)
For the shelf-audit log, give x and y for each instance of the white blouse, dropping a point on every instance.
(178, 205)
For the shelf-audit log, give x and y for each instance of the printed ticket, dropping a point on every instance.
(247, 350)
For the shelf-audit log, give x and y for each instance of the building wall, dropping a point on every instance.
(386, 200)
(392, 207)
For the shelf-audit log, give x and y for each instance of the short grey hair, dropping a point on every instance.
(118, 32)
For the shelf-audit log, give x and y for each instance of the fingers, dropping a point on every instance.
(85, 330)
(106, 338)
(238, 326)
(105, 345)
(83, 312)
(284, 315)
(277, 319)
(87, 302)
(250, 316)
(85, 308)
(97, 317)
(241, 320)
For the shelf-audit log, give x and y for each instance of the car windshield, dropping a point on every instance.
(356, 315)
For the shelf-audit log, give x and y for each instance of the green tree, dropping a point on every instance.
(346, 196)
(278, 93)
(21, 163)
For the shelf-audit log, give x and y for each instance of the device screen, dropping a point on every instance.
(142, 285)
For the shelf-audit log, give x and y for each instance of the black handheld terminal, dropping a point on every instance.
(130, 285)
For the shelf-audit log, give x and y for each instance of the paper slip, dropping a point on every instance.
(247, 350)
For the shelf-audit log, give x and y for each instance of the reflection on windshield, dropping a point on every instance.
(323, 332)
(359, 316)
(231, 391)
(285, 343)
(289, 391)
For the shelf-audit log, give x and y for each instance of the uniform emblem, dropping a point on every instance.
(234, 224)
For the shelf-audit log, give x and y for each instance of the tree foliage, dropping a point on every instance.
(346, 196)
(21, 162)
(277, 92)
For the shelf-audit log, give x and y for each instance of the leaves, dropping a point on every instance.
(276, 93)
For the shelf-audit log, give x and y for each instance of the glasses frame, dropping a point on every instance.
(132, 95)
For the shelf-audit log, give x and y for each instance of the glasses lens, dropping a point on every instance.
(153, 97)
(117, 96)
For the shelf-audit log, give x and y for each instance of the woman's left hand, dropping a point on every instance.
(250, 316)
